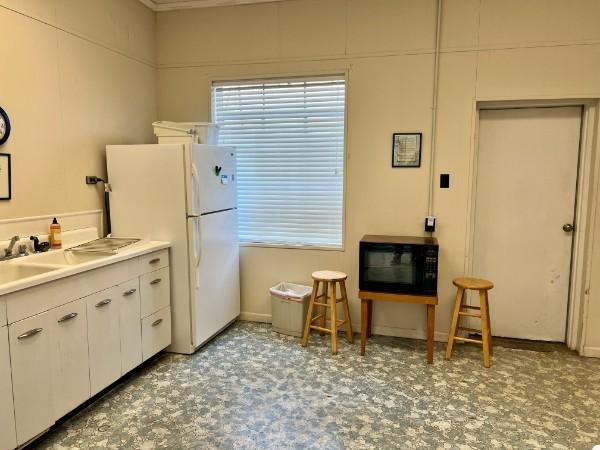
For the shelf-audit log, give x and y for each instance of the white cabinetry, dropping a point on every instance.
(31, 366)
(155, 291)
(7, 413)
(71, 360)
(104, 340)
(128, 295)
(69, 339)
(156, 310)
(156, 332)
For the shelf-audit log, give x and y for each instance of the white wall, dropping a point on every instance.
(76, 75)
(492, 49)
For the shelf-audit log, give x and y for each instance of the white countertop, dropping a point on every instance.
(62, 271)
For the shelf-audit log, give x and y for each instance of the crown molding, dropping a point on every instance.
(187, 4)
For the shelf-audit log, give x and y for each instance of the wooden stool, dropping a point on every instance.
(483, 286)
(328, 280)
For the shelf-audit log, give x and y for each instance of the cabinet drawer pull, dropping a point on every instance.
(67, 317)
(129, 292)
(156, 281)
(30, 333)
(154, 261)
(157, 322)
(104, 302)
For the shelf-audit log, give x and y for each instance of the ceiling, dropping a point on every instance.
(167, 5)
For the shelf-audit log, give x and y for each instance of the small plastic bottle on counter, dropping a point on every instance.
(55, 234)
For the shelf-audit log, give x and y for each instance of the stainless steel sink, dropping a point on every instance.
(14, 272)
(104, 245)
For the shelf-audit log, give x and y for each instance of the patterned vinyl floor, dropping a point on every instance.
(251, 388)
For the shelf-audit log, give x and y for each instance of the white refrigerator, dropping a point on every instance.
(184, 194)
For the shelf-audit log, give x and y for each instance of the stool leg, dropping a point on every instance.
(487, 308)
(323, 309)
(349, 332)
(370, 320)
(333, 319)
(430, 332)
(485, 328)
(453, 326)
(363, 324)
(309, 313)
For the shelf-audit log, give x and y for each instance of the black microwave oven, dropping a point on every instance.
(398, 264)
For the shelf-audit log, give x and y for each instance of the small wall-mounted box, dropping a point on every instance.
(429, 224)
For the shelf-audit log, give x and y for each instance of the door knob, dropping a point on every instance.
(567, 227)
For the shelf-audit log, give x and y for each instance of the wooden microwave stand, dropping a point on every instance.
(366, 314)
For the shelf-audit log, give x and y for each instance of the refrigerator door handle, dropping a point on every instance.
(195, 192)
(199, 243)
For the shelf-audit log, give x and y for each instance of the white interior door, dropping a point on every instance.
(525, 194)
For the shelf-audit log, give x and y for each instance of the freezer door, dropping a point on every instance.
(212, 179)
(214, 267)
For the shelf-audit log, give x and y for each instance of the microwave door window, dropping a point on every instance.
(390, 265)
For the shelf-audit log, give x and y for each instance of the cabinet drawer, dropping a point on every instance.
(154, 260)
(155, 290)
(156, 332)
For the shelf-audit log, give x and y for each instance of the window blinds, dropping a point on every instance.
(289, 136)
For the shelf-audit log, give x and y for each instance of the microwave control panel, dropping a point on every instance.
(430, 270)
(430, 267)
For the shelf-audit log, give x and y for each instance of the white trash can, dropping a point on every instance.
(289, 303)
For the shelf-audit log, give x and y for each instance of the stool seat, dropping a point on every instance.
(328, 275)
(476, 284)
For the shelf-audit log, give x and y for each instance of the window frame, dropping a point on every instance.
(335, 74)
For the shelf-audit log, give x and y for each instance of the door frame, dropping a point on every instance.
(585, 203)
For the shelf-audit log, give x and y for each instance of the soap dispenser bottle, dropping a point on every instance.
(55, 234)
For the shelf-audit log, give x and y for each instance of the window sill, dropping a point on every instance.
(292, 246)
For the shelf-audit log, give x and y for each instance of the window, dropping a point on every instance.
(289, 136)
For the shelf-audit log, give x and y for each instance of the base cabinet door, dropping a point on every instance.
(31, 344)
(103, 339)
(130, 325)
(71, 360)
(8, 435)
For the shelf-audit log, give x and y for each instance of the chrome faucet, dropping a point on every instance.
(8, 251)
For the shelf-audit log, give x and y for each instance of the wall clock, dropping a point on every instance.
(4, 126)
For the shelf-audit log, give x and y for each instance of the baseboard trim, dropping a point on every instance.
(255, 317)
(591, 352)
(377, 329)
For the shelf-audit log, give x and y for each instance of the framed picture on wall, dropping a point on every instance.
(5, 188)
(406, 150)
